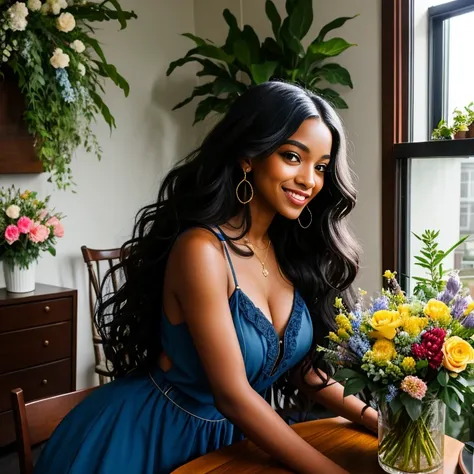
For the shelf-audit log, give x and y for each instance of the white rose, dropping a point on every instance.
(78, 46)
(59, 59)
(13, 212)
(17, 14)
(45, 9)
(34, 5)
(82, 69)
(65, 22)
(56, 5)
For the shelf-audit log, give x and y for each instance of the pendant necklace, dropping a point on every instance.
(262, 262)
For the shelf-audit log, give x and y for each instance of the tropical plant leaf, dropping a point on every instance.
(290, 6)
(110, 71)
(214, 52)
(413, 406)
(211, 69)
(121, 15)
(227, 86)
(263, 72)
(289, 40)
(242, 53)
(253, 43)
(328, 49)
(104, 110)
(353, 386)
(196, 39)
(197, 91)
(274, 17)
(234, 31)
(208, 105)
(336, 74)
(337, 23)
(301, 18)
(332, 97)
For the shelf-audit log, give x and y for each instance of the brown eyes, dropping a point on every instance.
(295, 158)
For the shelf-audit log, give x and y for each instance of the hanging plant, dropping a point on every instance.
(59, 65)
(244, 60)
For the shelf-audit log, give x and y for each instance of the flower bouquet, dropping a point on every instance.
(27, 227)
(415, 355)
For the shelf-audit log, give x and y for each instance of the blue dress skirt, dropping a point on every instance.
(153, 423)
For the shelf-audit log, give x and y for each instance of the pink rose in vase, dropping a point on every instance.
(38, 233)
(12, 234)
(58, 228)
(24, 224)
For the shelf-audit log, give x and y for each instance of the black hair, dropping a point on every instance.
(321, 261)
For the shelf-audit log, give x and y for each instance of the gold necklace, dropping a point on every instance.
(262, 262)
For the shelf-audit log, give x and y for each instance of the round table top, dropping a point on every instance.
(349, 445)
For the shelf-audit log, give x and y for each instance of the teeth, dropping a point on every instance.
(299, 197)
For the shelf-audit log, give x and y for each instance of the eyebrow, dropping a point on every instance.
(303, 147)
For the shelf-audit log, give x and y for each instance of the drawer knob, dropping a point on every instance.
(46, 343)
(47, 309)
(44, 382)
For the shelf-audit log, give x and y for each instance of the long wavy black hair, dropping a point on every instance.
(321, 261)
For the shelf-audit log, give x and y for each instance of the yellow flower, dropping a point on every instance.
(404, 309)
(338, 303)
(457, 354)
(470, 308)
(25, 194)
(409, 365)
(389, 275)
(342, 333)
(383, 351)
(438, 311)
(333, 337)
(343, 322)
(362, 292)
(413, 325)
(385, 323)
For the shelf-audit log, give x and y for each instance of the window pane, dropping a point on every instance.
(436, 203)
(460, 87)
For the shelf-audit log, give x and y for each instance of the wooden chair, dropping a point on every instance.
(98, 262)
(35, 421)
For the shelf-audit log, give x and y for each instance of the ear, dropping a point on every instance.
(246, 165)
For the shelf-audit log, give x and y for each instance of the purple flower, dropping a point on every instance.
(469, 322)
(459, 306)
(359, 344)
(453, 285)
(380, 303)
(392, 393)
(445, 296)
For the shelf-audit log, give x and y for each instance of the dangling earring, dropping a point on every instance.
(310, 219)
(248, 183)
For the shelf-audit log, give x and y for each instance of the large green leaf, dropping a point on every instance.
(234, 31)
(289, 41)
(208, 105)
(336, 74)
(353, 386)
(104, 110)
(328, 49)
(263, 72)
(332, 97)
(110, 71)
(196, 39)
(121, 15)
(214, 52)
(211, 69)
(227, 86)
(242, 53)
(337, 23)
(271, 49)
(290, 6)
(274, 17)
(253, 42)
(205, 89)
(301, 18)
(413, 406)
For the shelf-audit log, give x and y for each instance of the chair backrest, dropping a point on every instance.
(35, 421)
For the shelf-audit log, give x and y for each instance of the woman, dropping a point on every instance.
(231, 278)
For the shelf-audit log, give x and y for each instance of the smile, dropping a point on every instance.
(296, 197)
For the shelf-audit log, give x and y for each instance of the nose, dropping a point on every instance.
(306, 177)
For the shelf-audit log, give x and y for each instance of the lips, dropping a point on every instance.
(296, 197)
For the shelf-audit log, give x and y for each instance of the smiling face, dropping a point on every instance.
(288, 179)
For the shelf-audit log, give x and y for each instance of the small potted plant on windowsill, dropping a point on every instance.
(460, 124)
(442, 131)
(470, 116)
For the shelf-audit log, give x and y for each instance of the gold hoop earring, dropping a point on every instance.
(248, 183)
(310, 220)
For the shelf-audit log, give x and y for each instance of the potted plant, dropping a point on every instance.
(245, 60)
(27, 228)
(470, 119)
(59, 66)
(442, 131)
(460, 124)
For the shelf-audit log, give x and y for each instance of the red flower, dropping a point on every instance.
(430, 347)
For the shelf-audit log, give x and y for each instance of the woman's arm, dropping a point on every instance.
(199, 278)
(332, 397)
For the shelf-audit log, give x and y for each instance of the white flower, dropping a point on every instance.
(17, 14)
(34, 5)
(13, 211)
(78, 46)
(59, 59)
(65, 22)
(81, 68)
(55, 6)
(45, 9)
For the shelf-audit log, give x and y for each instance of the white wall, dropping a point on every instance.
(147, 140)
(362, 119)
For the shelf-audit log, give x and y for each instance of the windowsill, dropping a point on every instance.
(435, 148)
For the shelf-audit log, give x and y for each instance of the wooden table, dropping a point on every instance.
(350, 446)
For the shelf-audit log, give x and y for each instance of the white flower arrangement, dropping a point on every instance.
(49, 48)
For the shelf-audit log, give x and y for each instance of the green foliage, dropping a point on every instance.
(244, 60)
(62, 102)
(461, 121)
(442, 132)
(431, 260)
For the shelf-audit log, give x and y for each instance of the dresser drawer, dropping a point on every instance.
(29, 347)
(28, 315)
(38, 382)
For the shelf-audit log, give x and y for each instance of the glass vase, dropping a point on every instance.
(407, 446)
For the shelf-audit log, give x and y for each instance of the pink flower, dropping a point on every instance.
(58, 228)
(12, 234)
(38, 233)
(24, 224)
(414, 386)
(42, 214)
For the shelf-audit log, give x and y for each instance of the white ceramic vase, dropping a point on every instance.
(19, 280)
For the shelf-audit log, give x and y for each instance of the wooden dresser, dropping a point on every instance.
(37, 347)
